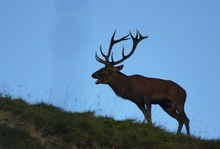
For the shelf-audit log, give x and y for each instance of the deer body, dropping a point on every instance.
(142, 91)
(140, 87)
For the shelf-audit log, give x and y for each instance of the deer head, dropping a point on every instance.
(105, 74)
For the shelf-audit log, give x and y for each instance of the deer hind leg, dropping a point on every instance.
(170, 109)
(182, 113)
(146, 112)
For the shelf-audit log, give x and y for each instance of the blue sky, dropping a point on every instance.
(48, 54)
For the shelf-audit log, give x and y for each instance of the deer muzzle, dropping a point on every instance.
(95, 76)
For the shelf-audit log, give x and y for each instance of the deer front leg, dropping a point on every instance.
(146, 112)
(149, 114)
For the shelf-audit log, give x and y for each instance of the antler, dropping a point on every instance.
(112, 42)
(135, 39)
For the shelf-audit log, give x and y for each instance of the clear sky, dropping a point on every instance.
(48, 47)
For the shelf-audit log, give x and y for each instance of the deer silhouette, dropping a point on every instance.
(143, 91)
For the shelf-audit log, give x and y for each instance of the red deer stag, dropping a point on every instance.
(143, 91)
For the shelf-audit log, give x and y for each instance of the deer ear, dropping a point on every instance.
(118, 68)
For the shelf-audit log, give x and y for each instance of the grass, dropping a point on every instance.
(12, 138)
(45, 126)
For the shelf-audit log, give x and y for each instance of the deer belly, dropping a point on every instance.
(131, 95)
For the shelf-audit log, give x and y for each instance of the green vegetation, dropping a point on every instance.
(44, 126)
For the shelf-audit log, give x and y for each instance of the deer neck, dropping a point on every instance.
(117, 83)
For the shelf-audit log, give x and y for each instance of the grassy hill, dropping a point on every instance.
(42, 126)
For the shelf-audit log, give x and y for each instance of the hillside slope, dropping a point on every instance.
(42, 126)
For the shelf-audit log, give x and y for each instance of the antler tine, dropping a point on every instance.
(123, 55)
(136, 40)
(112, 42)
(110, 46)
(140, 36)
(101, 51)
(112, 58)
(106, 61)
(121, 39)
(123, 51)
(100, 60)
